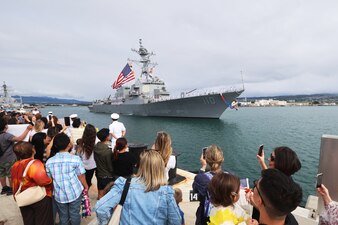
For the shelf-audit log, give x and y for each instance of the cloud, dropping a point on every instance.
(76, 49)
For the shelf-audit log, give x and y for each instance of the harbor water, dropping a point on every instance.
(238, 133)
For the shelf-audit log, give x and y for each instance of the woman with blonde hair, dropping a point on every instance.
(149, 200)
(163, 146)
(39, 126)
(214, 158)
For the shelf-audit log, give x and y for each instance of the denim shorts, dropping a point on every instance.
(5, 169)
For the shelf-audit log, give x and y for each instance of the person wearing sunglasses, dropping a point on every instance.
(276, 195)
(282, 158)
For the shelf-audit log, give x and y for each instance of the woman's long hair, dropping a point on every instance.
(87, 142)
(55, 121)
(214, 157)
(163, 145)
(120, 144)
(39, 126)
(151, 170)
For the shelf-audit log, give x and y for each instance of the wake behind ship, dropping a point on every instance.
(148, 96)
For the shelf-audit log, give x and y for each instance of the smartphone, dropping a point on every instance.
(203, 151)
(50, 117)
(319, 180)
(244, 183)
(67, 121)
(260, 150)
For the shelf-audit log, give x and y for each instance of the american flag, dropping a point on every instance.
(125, 76)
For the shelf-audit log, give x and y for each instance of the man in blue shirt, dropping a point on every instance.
(67, 172)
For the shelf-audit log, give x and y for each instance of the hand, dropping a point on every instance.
(249, 195)
(203, 162)
(252, 222)
(29, 127)
(261, 160)
(324, 192)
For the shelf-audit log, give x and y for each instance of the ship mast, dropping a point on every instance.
(6, 97)
(147, 65)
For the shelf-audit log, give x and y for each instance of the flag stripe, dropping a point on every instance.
(125, 76)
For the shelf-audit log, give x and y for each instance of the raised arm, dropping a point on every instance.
(23, 135)
(261, 161)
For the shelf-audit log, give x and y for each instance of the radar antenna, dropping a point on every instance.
(147, 65)
(242, 79)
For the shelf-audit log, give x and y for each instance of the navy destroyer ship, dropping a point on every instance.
(7, 102)
(148, 96)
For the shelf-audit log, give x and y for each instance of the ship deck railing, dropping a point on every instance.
(196, 93)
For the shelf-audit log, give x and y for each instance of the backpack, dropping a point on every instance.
(207, 203)
(2, 151)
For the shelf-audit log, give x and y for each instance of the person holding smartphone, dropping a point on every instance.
(330, 214)
(214, 158)
(283, 159)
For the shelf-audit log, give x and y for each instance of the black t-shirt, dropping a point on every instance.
(124, 164)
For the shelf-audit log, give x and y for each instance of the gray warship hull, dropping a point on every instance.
(202, 106)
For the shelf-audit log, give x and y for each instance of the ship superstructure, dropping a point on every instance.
(6, 100)
(148, 96)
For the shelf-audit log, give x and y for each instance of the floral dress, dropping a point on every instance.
(330, 215)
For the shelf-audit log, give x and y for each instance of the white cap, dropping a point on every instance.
(115, 116)
(50, 112)
(73, 116)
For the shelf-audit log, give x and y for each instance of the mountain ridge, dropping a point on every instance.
(48, 100)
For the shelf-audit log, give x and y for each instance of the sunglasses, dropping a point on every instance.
(259, 193)
(272, 158)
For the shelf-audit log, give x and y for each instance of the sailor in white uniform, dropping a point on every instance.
(116, 129)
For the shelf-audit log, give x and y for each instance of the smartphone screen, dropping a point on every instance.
(244, 183)
(203, 151)
(319, 179)
(67, 121)
(260, 150)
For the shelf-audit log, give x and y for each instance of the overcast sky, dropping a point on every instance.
(76, 49)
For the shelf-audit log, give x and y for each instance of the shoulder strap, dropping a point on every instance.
(209, 175)
(125, 191)
(24, 174)
(27, 167)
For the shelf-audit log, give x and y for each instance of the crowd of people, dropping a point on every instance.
(63, 159)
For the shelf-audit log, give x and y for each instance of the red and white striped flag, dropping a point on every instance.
(125, 76)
